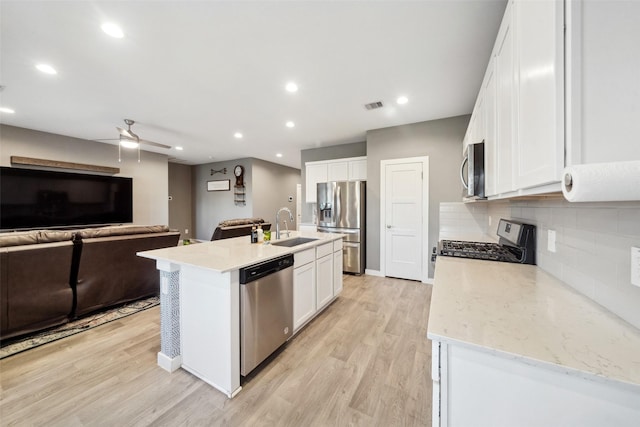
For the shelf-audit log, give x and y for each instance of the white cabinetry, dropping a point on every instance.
(358, 169)
(316, 282)
(315, 173)
(324, 274)
(348, 169)
(338, 171)
(540, 75)
(470, 387)
(505, 106)
(337, 267)
(519, 112)
(304, 287)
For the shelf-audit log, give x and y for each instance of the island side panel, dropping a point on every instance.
(210, 326)
(169, 357)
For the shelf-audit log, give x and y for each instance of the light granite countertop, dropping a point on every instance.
(521, 312)
(232, 254)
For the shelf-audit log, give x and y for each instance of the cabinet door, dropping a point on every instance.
(540, 142)
(358, 170)
(338, 171)
(304, 294)
(315, 173)
(490, 130)
(337, 272)
(505, 105)
(324, 280)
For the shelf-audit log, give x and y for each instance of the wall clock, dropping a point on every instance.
(238, 171)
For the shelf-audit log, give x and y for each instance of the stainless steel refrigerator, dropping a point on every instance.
(341, 209)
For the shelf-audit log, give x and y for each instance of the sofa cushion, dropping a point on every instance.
(240, 221)
(19, 238)
(52, 236)
(121, 230)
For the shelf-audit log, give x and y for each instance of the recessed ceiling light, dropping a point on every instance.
(402, 100)
(47, 69)
(179, 148)
(279, 155)
(291, 87)
(290, 124)
(113, 30)
(237, 135)
(6, 110)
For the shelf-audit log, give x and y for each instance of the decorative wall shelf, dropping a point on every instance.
(17, 160)
(239, 195)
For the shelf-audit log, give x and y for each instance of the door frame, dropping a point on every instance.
(425, 212)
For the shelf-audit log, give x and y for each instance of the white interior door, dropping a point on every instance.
(403, 222)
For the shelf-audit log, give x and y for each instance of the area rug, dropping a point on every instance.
(11, 347)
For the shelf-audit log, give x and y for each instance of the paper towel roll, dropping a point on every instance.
(602, 182)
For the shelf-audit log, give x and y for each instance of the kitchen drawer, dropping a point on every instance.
(337, 245)
(324, 250)
(304, 257)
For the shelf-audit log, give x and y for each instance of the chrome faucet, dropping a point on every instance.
(285, 221)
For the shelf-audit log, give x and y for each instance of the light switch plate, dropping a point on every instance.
(551, 241)
(635, 266)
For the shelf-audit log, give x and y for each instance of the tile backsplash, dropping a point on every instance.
(593, 243)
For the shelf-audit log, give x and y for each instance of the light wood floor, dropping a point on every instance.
(365, 361)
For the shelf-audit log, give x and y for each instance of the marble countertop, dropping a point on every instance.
(232, 254)
(522, 312)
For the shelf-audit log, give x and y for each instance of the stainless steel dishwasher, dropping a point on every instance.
(266, 310)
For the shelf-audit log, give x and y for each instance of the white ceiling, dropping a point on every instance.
(192, 73)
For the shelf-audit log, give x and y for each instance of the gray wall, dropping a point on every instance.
(272, 186)
(267, 187)
(441, 140)
(356, 149)
(150, 176)
(211, 207)
(180, 205)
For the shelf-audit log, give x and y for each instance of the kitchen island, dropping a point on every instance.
(512, 345)
(200, 299)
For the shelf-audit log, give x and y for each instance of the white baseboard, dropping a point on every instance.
(428, 281)
(373, 273)
(169, 364)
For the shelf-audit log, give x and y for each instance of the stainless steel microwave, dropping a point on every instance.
(473, 168)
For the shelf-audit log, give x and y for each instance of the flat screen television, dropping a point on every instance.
(43, 199)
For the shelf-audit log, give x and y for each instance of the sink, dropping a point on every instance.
(293, 242)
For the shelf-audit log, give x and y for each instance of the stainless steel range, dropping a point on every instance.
(517, 244)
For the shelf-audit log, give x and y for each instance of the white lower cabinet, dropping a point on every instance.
(337, 272)
(472, 387)
(304, 293)
(315, 282)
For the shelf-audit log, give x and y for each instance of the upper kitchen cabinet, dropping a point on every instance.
(539, 144)
(315, 172)
(349, 169)
(505, 111)
(520, 108)
(603, 84)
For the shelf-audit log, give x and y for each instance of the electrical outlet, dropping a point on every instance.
(186, 231)
(551, 241)
(635, 266)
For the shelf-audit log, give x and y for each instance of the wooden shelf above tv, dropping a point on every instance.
(17, 160)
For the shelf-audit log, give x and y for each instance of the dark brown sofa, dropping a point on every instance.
(109, 271)
(49, 277)
(35, 289)
(238, 227)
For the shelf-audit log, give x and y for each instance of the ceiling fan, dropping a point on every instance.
(128, 139)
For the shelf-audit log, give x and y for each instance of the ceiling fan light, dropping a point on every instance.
(128, 143)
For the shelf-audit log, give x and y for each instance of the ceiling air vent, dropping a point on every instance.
(373, 105)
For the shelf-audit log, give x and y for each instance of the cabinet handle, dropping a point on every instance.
(388, 226)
